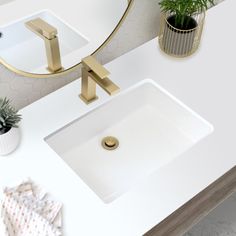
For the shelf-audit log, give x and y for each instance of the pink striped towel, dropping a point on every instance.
(26, 210)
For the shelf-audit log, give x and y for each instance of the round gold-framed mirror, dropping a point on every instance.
(39, 42)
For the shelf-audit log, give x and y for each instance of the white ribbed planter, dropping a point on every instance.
(9, 141)
(177, 42)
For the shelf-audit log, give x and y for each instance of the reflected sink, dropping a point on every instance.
(18, 40)
(152, 126)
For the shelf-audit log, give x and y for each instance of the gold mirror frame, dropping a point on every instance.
(67, 71)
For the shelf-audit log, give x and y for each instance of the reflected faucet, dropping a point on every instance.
(49, 34)
(94, 73)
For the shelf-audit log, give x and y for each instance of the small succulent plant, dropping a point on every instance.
(8, 116)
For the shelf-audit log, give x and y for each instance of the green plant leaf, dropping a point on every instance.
(182, 9)
(8, 115)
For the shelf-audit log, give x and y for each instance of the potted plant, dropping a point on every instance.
(9, 131)
(181, 25)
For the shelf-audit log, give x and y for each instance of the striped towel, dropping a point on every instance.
(26, 210)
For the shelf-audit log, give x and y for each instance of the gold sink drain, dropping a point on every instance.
(110, 143)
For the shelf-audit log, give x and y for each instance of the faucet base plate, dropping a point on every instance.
(86, 100)
(54, 71)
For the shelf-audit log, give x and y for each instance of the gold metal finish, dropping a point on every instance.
(49, 34)
(180, 43)
(94, 73)
(110, 143)
(91, 64)
(42, 28)
(75, 67)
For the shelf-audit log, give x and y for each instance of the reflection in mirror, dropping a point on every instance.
(43, 37)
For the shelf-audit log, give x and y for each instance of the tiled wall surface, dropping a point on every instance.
(140, 26)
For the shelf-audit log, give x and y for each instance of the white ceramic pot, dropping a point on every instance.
(9, 141)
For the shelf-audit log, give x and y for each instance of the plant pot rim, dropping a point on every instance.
(7, 131)
(165, 16)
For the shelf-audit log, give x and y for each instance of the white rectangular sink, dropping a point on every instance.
(152, 126)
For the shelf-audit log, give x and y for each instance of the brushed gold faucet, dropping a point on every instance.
(49, 34)
(94, 73)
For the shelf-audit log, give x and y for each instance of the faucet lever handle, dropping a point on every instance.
(91, 64)
(42, 28)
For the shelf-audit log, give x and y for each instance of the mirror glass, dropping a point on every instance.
(49, 36)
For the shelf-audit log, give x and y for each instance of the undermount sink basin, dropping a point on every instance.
(152, 127)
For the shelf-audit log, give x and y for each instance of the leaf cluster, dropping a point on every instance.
(183, 9)
(8, 115)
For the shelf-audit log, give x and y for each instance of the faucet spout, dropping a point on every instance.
(94, 73)
(49, 34)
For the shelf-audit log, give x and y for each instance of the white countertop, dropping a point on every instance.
(205, 82)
